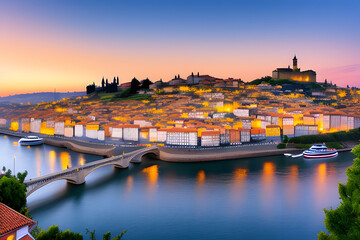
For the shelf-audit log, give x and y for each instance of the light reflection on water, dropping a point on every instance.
(262, 198)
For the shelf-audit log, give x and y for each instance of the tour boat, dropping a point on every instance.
(319, 151)
(30, 141)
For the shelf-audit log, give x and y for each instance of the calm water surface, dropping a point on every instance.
(261, 198)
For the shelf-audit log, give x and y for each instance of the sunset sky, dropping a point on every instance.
(65, 45)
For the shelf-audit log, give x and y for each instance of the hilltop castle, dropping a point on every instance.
(294, 73)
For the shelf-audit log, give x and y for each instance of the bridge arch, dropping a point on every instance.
(77, 175)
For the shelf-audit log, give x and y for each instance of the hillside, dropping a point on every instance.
(34, 98)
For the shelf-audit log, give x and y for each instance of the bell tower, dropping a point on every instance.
(295, 67)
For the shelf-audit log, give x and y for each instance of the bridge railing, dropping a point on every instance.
(82, 167)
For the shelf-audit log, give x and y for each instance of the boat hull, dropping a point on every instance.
(320, 156)
(30, 143)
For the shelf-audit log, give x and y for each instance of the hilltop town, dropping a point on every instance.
(199, 110)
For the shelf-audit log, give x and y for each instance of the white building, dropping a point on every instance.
(101, 135)
(161, 135)
(245, 135)
(69, 131)
(182, 136)
(117, 132)
(242, 112)
(79, 130)
(35, 125)
(301, 130)
(210, 138)
(60, 128)
(130, 132)
(153, 134)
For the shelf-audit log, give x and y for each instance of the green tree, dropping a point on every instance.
(53, 233)
(286, 139)
(13, 192)
(344, 221)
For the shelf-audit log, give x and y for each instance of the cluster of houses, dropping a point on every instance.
(197, 111)
(247, 128)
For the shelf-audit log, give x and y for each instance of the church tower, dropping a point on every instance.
(295, 67)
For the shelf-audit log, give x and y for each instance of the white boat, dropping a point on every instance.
(319, 151)
(30, 141)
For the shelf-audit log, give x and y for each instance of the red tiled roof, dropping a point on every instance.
(26, 237)
(11, 220)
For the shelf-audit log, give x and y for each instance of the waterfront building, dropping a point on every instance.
(161, 135)
(210, 138)
(245, 135)
(79, 130)
(117, 132)
(235, 138)
(3, 122)
(13, 225)
(257, 134)
(91, 130)
(69, 131)
(273, 131)
(294, 73)
(153, 134)
(101, 134)
(25, 123)
(181, 136)
(130, 132)
(224, 136)
(60, 128)
(301, 130)
(35, 125)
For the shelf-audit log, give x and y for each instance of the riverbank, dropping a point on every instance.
(220, 154)
(71, 144)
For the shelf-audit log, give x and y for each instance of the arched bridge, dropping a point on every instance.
(76, 175)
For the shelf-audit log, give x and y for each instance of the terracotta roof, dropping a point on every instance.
(11, 220)
(26, 237)
(182, 130)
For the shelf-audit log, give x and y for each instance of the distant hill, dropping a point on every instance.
(34, 98)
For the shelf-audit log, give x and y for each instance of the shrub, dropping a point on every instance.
(281, 145)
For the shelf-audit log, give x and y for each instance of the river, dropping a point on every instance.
(260, 198)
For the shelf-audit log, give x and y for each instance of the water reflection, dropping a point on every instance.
(268, 184)
(65, 159)
(129, 183)
(82, 160)
(320, 184)
(292, 185)
(38, 159)
(200, 179)
(152, 173)
(238, 186)
(52, 160)
(15, 143)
